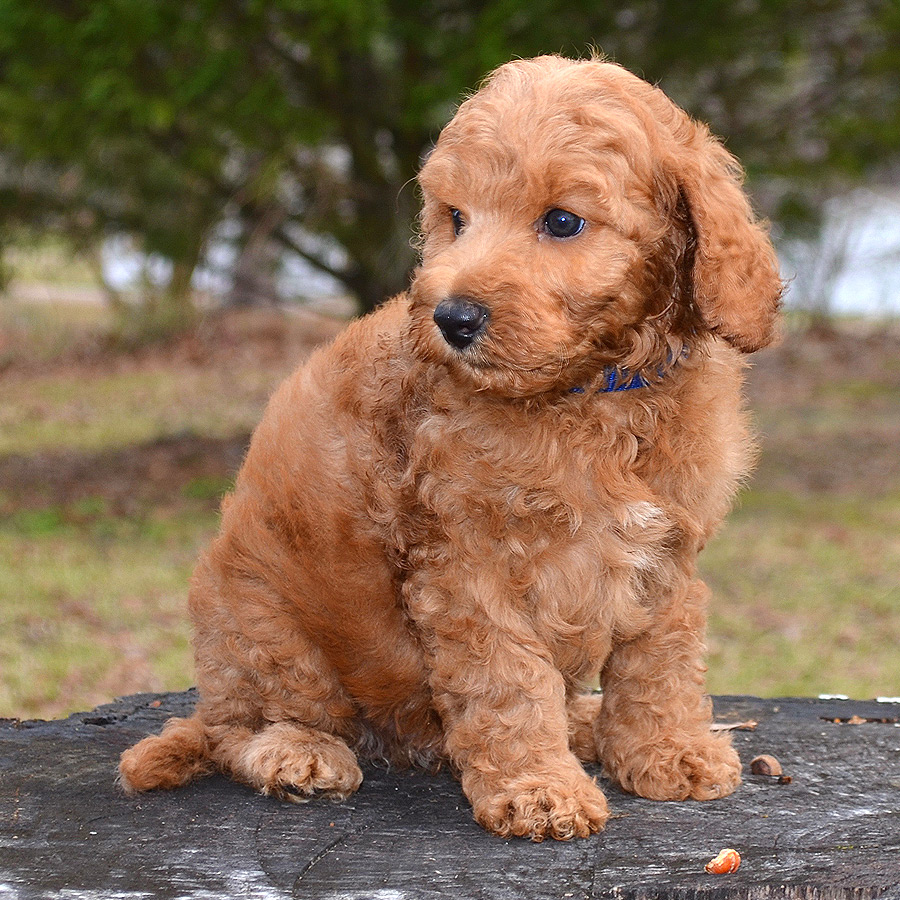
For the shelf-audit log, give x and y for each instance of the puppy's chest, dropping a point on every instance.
(533, 502)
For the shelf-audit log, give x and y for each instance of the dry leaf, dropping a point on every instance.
(734, 726)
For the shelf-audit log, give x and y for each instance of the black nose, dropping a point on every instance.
(461, 320)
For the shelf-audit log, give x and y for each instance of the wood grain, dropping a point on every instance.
(67, 832)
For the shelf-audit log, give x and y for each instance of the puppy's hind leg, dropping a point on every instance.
(582, 711)
(248, 723)
(178, 755)
(289, 761)
(284, 760)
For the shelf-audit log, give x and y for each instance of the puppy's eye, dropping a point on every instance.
(562, 224)
(458, 221)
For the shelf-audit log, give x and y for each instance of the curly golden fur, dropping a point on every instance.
(434, 543)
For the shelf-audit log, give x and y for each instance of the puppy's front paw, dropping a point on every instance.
(534, 807)
(706, 768)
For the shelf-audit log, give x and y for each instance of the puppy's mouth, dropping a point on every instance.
(461, 321)
(497, 360)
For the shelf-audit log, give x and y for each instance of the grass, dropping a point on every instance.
(806, 596)
(48, 261)
(94, 605)
(93, 582)
(97, 410)
(42, 332)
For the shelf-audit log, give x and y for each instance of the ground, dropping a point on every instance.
(112, 463)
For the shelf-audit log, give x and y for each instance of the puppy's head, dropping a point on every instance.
(574, 218)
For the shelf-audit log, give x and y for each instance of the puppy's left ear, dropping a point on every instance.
(736, 284)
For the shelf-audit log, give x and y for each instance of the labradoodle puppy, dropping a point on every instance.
(495, 487)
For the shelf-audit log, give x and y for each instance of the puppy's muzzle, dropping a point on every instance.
(461, 320)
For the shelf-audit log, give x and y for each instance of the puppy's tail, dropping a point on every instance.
(178, 755)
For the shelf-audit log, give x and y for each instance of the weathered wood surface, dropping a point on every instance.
(67, 832)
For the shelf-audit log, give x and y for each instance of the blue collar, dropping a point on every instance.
(616, 380)
(622, 380)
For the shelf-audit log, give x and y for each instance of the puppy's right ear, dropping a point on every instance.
(735, 278)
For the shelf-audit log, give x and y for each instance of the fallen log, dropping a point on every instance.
(827, 827)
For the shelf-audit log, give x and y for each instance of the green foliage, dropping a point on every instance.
(304, 120)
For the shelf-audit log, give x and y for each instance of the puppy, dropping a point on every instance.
(495, 487)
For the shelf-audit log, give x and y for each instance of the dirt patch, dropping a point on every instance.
(128, 480)
(827, 403)
(159, 472)
(270, 337)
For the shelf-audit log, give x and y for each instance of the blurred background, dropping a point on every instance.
(194, 194)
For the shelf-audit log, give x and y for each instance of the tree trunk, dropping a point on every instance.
(254, 275)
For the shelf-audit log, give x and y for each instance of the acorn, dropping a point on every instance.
(766, 765)
(726, 862)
